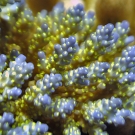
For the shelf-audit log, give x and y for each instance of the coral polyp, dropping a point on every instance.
(62, 74)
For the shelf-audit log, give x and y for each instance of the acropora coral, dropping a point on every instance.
(114, 11)
(62, 74)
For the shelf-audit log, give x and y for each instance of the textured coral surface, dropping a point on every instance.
(60, 73)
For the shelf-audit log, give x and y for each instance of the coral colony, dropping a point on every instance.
(61, 75)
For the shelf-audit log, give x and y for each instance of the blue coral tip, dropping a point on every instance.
(109, 27)
(90, 14)
(125, 24)
(44, 27)
(72, 39)
(41, 55)
(129, 40)
(80, 7)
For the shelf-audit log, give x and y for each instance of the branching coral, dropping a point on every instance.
(114, 11)
(75, 75)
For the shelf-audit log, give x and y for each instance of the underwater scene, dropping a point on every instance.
(67, 67)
